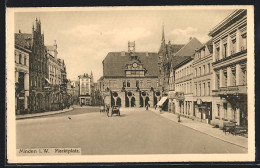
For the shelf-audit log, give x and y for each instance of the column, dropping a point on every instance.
(229, 77)
(228, 46)
(238, 41)
(239, 74)
(221, 78)
(26, 88)
(220, 49)
(214, 81)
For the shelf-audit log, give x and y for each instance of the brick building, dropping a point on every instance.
(130, 79)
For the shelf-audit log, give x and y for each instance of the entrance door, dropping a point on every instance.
(243, 114)
(132, 102)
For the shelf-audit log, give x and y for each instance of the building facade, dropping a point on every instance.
(166, 53)
(202, 83)
(86, 88)
(230, 69)
(183, 85)
(22, 55)
(57, 81)
(130, 79)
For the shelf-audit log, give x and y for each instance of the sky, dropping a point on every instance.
(85, 37)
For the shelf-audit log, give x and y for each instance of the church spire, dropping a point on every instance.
(163, 38)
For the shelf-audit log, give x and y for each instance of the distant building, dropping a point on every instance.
(166, 53)
(230, 70)
(130, 79)
(86, 88)
(73, 90)
(57, 77)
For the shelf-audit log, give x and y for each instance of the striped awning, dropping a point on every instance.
(163, 99)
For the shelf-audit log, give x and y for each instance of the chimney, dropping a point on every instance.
(20, 31)
(146, 54)
(122, 53)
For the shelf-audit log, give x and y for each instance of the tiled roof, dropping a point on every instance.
(176, 47)
(23, 40)
(185, 60)
(176, 60)
(209, 44)
(189, 48)
(114, 64)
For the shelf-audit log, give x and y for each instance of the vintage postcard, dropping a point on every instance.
(130, 84)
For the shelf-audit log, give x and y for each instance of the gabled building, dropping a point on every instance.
(230, 70)
(86, 89)
(38, 70)
(130, 79)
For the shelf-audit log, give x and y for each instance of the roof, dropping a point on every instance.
(189, 48)
(176, 47)
(114, 64)
(176, 60)
(186, 60)
(209, 44)
(23, 40)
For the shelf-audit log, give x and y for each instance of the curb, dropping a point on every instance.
(204, 132)
(43, 114)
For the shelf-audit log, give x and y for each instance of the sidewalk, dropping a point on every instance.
(205, 128)
(25, 116)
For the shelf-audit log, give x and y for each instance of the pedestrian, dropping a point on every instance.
(147, 105)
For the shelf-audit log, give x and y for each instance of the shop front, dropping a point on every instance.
(203, 111)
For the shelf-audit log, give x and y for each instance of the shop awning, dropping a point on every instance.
(48, 80)
(163, 99)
